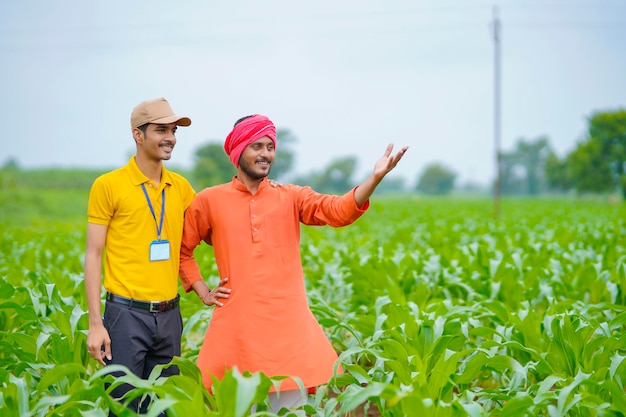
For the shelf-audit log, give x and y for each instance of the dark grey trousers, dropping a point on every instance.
(140, 340)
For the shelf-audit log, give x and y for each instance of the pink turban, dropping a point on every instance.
(247, 131)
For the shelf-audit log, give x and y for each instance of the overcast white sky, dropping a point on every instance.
(347, 77)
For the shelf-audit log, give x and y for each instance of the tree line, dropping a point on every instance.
(596, 164)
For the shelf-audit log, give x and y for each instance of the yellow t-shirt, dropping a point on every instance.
(117, 200)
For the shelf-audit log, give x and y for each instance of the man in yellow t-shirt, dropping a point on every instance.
(135, 216)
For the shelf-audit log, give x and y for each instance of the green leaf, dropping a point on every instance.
(517, 407)
(59, 373)
(616, 361)
(360, 375)
(354, 395)
(472, 368)
(564, 403)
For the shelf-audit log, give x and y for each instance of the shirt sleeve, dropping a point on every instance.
(99, 207)
(190, 194)
(323, 209)
(196, 229)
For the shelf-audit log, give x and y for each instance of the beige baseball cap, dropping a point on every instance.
(157, 111)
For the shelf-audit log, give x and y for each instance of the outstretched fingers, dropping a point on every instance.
(388, 150)
(396, 158)
(388, 161)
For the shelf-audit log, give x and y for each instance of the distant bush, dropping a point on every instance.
(49, 178)
(54, 178)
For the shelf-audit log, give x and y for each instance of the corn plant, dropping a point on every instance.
(435, 308)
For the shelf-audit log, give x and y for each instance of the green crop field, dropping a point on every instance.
(435, 307)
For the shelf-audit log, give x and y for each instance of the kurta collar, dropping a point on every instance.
(138, 177)
(238, 185)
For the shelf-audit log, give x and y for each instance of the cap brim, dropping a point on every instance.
(180, 121)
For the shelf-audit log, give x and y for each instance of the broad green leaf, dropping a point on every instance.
(354, 395)
(517, 407)
(58, 373)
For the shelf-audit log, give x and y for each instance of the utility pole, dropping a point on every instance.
(496, 112)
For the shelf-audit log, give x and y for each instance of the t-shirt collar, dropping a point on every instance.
(139, 177)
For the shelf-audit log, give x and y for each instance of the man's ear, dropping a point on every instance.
(138, 135)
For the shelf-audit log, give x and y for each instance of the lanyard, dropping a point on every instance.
(160, 226)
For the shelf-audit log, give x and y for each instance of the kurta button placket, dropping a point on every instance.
(254, 223)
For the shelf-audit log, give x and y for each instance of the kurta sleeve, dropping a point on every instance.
(196, 229)
(323, 209)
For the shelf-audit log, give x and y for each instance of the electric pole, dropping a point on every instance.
(496, 112)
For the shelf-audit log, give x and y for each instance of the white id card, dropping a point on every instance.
(159, 250)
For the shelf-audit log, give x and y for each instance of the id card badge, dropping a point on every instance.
(159, 250)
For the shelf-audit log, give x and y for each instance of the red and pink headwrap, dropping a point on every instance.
(245, 132)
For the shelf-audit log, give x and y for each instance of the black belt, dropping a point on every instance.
(151, 306)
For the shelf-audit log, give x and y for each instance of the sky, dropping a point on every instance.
(345, 77)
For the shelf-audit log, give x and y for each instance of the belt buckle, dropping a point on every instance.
(157, 306)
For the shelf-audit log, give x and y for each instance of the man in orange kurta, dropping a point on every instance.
(262, 322)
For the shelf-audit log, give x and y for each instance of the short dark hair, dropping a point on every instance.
(242, 119)
(143, 127)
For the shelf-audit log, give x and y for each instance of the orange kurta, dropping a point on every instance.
(266, 324)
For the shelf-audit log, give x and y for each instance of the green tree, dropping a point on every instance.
(523, 169)
(336, 178)
(211, 166)
(556, 173)
(11, 163)
(598, 163)
(9, 174)
(391, 185)
(436, 179)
